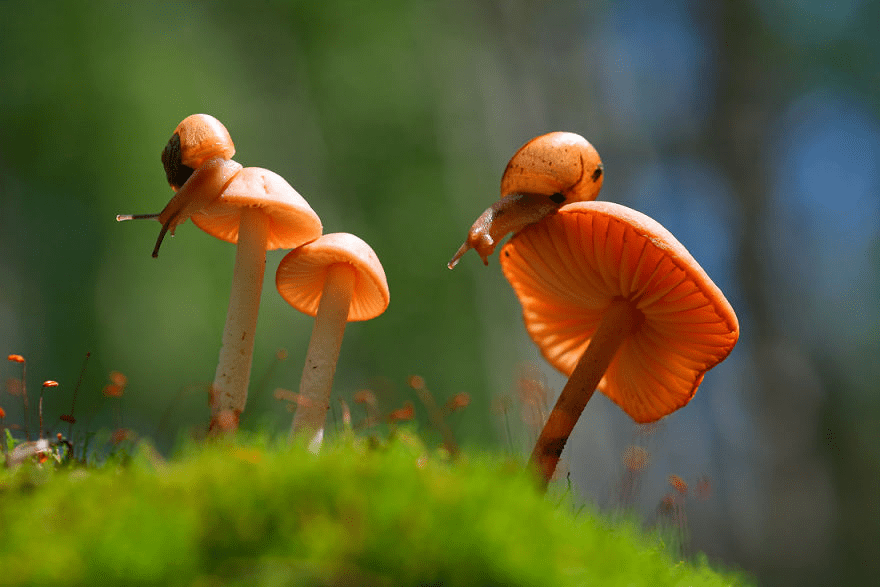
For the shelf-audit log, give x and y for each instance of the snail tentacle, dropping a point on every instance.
(509, 214)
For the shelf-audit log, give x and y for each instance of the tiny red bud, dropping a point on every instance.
(679, 484)
(407, 412)
(118, 378)
(416, 381)
(112, 390)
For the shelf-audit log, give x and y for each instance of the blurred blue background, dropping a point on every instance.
(750, 129)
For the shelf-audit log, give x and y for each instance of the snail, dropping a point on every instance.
(198, 165)
(545, 173)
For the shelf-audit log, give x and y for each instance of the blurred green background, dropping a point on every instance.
(750, 129)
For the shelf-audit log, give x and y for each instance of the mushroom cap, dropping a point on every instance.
(292, 221)
(301, 274)
(567, 269)
(203, 137)
(555, 163)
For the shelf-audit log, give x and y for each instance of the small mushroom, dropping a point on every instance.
(614, 301)
(547, 172)
(337, 279)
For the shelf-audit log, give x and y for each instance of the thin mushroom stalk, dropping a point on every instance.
(230, 387)
(323, 354)
(619, 321)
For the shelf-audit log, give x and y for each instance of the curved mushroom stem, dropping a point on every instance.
(323, 352)
(619, 321)
(509, 214)
(230, 387)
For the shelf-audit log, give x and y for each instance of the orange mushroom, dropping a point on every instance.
(548, 171)
(252, 207)
(337, 279)
(258, 211)
(614, 301)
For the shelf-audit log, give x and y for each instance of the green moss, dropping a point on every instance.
(357, 514)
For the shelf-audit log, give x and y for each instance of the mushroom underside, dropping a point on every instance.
(593, 253)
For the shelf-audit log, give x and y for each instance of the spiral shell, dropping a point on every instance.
(196, 140)
(562, 163)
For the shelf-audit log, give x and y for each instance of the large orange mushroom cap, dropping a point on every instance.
(292, 221)
(568, 269)
(302, 272)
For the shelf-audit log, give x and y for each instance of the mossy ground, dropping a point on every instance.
(363, 512)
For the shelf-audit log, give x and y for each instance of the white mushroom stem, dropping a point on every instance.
(620, 320)
(323, 352)
(230, 387)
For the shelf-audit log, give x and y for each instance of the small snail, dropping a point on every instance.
(198, 165)
(547, 172)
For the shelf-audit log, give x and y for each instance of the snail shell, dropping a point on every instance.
(545, 173)
(198, 164)
(196, 140)
(555, 163)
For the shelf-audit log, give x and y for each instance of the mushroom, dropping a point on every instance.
(252, 207)
(198, 165)
(548, 171)
(614, 301)
(259, 211)
(337, 279)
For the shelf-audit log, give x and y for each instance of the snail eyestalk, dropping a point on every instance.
(123, 217)
(165, 226)
(509, 214)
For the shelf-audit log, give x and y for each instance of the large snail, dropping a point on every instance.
(547, 172)
(198, 165)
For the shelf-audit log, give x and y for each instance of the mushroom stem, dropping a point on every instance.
(230, 387)
(509, 214)
(618, 322)
(322, 354)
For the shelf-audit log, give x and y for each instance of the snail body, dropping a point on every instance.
(202, 187)
(547, 172)
(198, 166)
